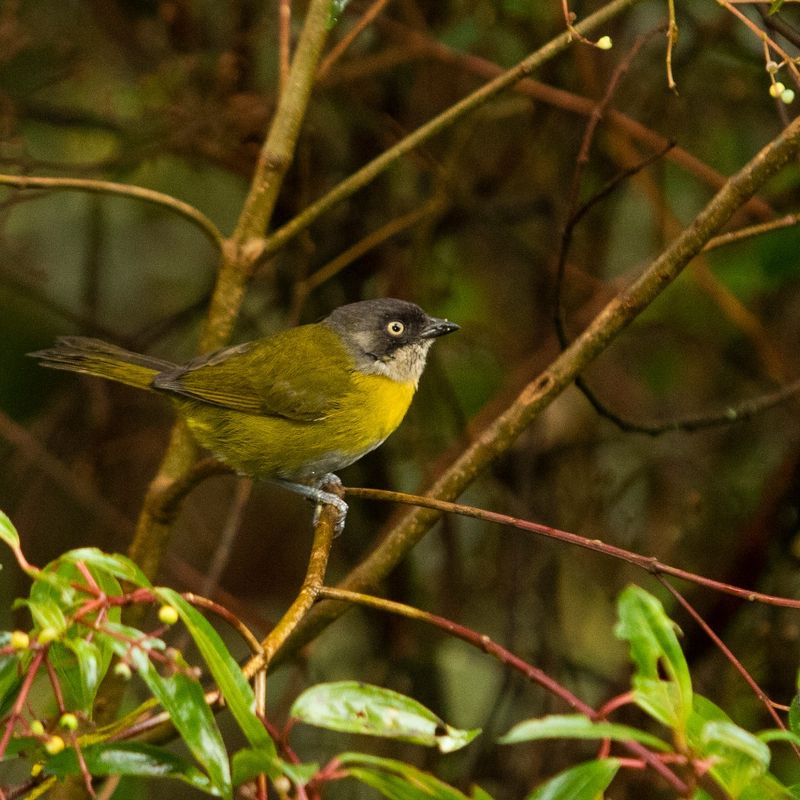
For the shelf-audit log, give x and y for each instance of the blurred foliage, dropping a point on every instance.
(176, 95)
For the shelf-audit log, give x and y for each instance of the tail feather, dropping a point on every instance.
(95, 357)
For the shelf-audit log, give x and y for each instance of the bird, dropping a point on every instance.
(294, 407)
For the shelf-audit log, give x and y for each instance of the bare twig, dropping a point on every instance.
(439, 123)
(122, 190)
(648, 563)
(345, 42)
(728, 653)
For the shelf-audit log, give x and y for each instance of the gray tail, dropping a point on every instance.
(95, 357)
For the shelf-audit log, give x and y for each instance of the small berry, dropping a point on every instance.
(37, 729)
(167, 615)
(36, 769)
(776, 89)
(54, 745)
(20, 640)
(787, 96)
(604, 43)
(772, 67)
(122, 671)
(68, 721)
(47, 635)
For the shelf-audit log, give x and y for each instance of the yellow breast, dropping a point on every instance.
(277, 447)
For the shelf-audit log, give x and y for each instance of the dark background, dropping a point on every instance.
(176, 96)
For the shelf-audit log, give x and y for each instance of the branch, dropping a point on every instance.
(438, 124)
(324, 533)
(239, 254)
(649, 564)
(123, 190)
(498, 436)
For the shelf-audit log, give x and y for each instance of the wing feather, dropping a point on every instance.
(299, 374)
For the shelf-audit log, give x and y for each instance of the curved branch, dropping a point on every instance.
(121, 190)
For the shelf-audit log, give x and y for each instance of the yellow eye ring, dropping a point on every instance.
(395, 328)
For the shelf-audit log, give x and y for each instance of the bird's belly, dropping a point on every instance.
(278, 447)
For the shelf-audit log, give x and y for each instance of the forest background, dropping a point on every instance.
(521, 217)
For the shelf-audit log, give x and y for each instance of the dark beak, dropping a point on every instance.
(437, 327)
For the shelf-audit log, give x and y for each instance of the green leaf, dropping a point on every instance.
(777, 735)
(355, 707)
(79, 666)
(644, 624)
(10, 675)
(46, 611)
(129, 758)
(396, 779)
(53, 596)
(577, 726)
(480, 794)
(583, 782)
(8, 533)
(767, 787)
(738, 757)
(249, 762)
(121, 567)
(794, 715)
(184, 700)
(235, 689)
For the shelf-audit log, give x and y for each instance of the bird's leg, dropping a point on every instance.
(318, 495)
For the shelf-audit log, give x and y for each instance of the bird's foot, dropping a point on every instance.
(322, 497)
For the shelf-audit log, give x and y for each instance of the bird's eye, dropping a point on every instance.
(395, 328)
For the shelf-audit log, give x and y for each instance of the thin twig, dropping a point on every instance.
(649, 564)
(391, 228)
(284, 42)
(230, 618)
(786, 221)
(728, 653)
(345, 42)
(122, 190)
(438, 124)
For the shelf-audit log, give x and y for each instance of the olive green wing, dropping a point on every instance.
(299, 374)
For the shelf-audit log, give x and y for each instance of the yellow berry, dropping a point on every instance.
(122, 671)
(36, 769)
(20, 640)
(167, 615)
(604, 43)
(54, 745)
(47, 635)
(776, 89)
(68, 721)
(787, 96)
(37, 729)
